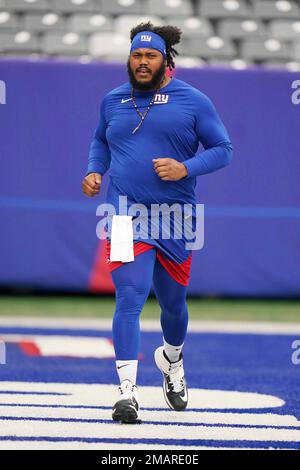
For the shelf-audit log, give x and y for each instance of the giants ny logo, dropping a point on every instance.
(2, 92)
(161, 99)
(146, 37)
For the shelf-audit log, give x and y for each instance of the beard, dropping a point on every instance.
(155, 81)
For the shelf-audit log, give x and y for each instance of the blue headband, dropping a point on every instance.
(149, 40)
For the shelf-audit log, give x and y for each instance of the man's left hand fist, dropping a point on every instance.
(169, 169)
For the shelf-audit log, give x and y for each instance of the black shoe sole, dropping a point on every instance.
(125, 414)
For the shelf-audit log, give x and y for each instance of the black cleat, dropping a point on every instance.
(174, 385)
(126, 409)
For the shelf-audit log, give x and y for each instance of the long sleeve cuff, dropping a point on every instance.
(209, 160)
(96, 167)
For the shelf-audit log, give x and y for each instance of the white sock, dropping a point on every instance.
(173, 352)
(127, 370)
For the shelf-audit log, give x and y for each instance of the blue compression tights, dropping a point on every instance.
(133, 283)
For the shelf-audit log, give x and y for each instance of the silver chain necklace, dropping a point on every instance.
(143, 116)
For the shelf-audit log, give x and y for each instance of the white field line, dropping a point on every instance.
(146, 431)
(203, 417)
(154, 325)
(150, 397)
(17, 422)
(44, 445)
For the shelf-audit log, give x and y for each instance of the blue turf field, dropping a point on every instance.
(256, 363)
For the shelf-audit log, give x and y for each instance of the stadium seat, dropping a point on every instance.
(121, 59)
(223, 9)
(119, 7)
(189, 61)
(89, 23)
(169, 7)
(296, 50)
(10, 22)
(124, 23)
(279, 64)
(213, 30)
(109, 45)
(211, 47)
(256, 49)
(184, 48)
(5, 40)
(239, 29)
(37, 22)
(8, 43)
(67, 6)
(236, 64)
(57, 43)
(23, 5)
(192, 26)
(285, 29)
(220, 63)
(267, 9)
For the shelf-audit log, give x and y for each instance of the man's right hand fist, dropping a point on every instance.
(91, 184)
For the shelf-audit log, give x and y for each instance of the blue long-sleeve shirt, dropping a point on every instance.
(179, 119)
(173, 128)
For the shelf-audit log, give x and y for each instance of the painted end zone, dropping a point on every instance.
(58, 386)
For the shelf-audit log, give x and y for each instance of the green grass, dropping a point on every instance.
(103, 307)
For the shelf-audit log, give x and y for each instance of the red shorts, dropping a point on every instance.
(180, 272)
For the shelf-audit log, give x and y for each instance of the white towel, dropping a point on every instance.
(121, 248)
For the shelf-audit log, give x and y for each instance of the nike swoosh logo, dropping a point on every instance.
(184, 398)
(133, 407)
(120, 367)
(124, 101)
